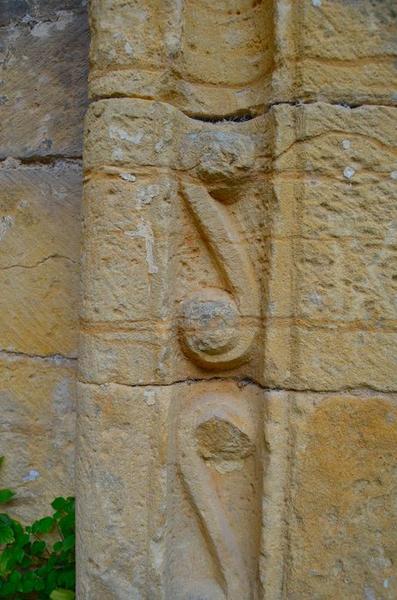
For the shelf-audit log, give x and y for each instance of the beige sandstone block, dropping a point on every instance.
(42, 90)
(177, 226)
(306, 355)
(343, 515)
(230, 59)
(177, 478)
(222, 252)
(323, 139)
(44, 319)
(122, 479)
(361, 210)
(37, 431)
(344, 358)
(207, 59)
(349, 281)
(336, 50)
(332, 282)
(40, 232)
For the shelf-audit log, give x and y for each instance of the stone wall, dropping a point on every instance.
(237, 420)
(237, 412)
(43, 57)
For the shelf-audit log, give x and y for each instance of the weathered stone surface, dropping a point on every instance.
(228, 58)
(37, 431)
(43, 58)
(332, 301)
(43, 85)
(336, 50)
(171, 467)
(227, 251)
(206, 58)
(171, 207)
(344, 482)
(126, 489)
(29, 11)
(39, 243)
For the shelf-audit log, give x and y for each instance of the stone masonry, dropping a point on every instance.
(43, 63)
(237, 381)
(237, 408)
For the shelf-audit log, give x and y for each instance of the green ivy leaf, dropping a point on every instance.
(15, 577)
(21, 538)
(67, 524)
(39, 584)
(69, 542)
(9, 558)
(38, 547)
(28, 583)
(26, 562)
(28, 568)
(9, 589)
(6, 496)
(4, 563)
(16, 554)
(44, 525)
(59, 503)
(62, 595)
(57, 547)
(5, 519)
(6, 534)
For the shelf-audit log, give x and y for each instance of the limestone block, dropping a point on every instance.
(37, 431)
(207, 59)
(42, 88)
(32, 10)
(332, 291)
(336, 50)
(343, 515)
(175, 259)
(39, 242)
(122, 480)
(176, 479)
(227, 253)
(222, 59)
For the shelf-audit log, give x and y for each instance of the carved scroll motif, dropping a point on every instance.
(218, 441)
(218, 326)
(216, 436)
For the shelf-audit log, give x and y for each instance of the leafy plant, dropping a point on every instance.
(37, 561)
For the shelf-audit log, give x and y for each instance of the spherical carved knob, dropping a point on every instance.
(209, 326)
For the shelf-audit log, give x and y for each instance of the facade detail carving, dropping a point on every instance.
(224, 174)
(218, 326)
(219, 438)
(217, 458)
(205, 58)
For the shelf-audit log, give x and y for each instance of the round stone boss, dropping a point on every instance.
(209, 323)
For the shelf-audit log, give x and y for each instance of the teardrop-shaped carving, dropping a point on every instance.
(216, 435)
(217, 327)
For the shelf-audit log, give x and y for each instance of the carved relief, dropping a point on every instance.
(217, 325)
(205, 206)
(166, 51)
(177, 202)
(218, 464)
(218, 454)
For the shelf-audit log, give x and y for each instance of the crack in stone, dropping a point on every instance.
(49, 358)
(246, 381)
(40, 262)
